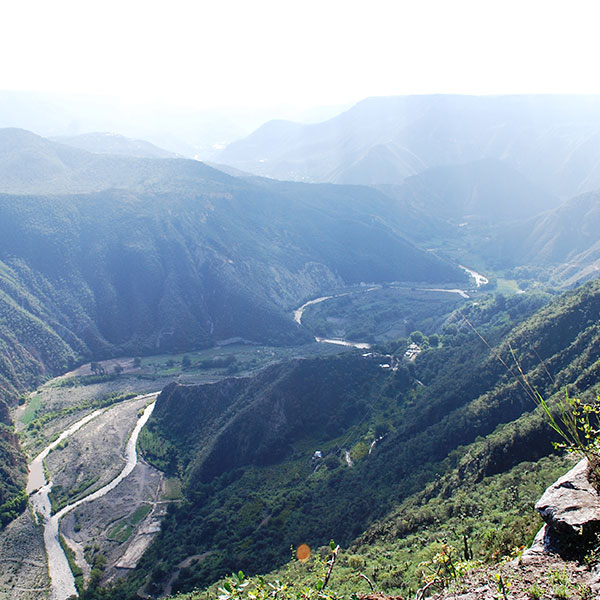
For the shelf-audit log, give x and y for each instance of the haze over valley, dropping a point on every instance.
(321, 279)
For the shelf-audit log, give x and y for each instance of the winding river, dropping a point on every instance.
(298, 313)
(62, 582)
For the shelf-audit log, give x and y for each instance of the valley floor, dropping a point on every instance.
(108, 535)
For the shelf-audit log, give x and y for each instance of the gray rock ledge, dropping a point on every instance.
(571, 505)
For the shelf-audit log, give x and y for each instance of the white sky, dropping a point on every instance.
(255, 53)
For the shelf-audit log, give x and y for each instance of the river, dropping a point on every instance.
(360, 345)
(299, 311)
(62, 582)
(446, 290)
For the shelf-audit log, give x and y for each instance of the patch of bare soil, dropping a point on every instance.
(23, 571)
(54, 399)
(93, 455)
(120, 525)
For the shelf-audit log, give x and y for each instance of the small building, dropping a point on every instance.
(412, 351)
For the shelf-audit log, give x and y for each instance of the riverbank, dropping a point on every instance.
(81, 440)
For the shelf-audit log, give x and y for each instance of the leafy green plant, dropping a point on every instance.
(578, 424)
(535, 592)
(561, 584)
(445, 569)
(502, 587)
(238, 586)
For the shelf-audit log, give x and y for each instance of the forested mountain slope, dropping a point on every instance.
(30, 164)
(177, 257)
(245, 448)
(104, 255)
(467, 203)
(565, 238)
(553, 140)
(488, 210)
(487, 190)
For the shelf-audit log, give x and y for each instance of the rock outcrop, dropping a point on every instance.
(570, 508)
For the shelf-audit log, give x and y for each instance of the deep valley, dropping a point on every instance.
(371, 355)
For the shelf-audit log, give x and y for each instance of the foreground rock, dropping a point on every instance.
(570, 508)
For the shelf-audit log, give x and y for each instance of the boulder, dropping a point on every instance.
(570, 508)
(571, 505)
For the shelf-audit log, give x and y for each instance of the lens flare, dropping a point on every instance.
(303, 552)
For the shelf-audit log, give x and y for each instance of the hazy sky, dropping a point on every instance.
(265, 53)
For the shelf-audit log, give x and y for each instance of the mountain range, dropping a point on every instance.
(110, 246)
(112, 143)
(552, 140)
(123, 254)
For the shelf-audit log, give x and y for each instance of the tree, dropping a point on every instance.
(417, 337)
(97, 368)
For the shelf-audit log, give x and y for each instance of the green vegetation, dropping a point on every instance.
(176, 245)
(124, 528)
(422, 467)
(577, 424)
(36, 426)
(104, 256)
(507, 287)
(60, 497)
(33, 405)
(98, 561)
(231, 359)
(13, 474)
(71, 382)
(12, 508)
(120, 532)
(140, 514)
(453, 466)
(172, 489)
(378, 315)
(439, 533)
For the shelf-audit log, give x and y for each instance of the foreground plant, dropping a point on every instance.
(237, 586)
(578, 424)
(445, 568)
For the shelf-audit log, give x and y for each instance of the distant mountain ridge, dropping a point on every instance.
(565, 238)
(487, 190)
(30, 164)
(553, 140)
